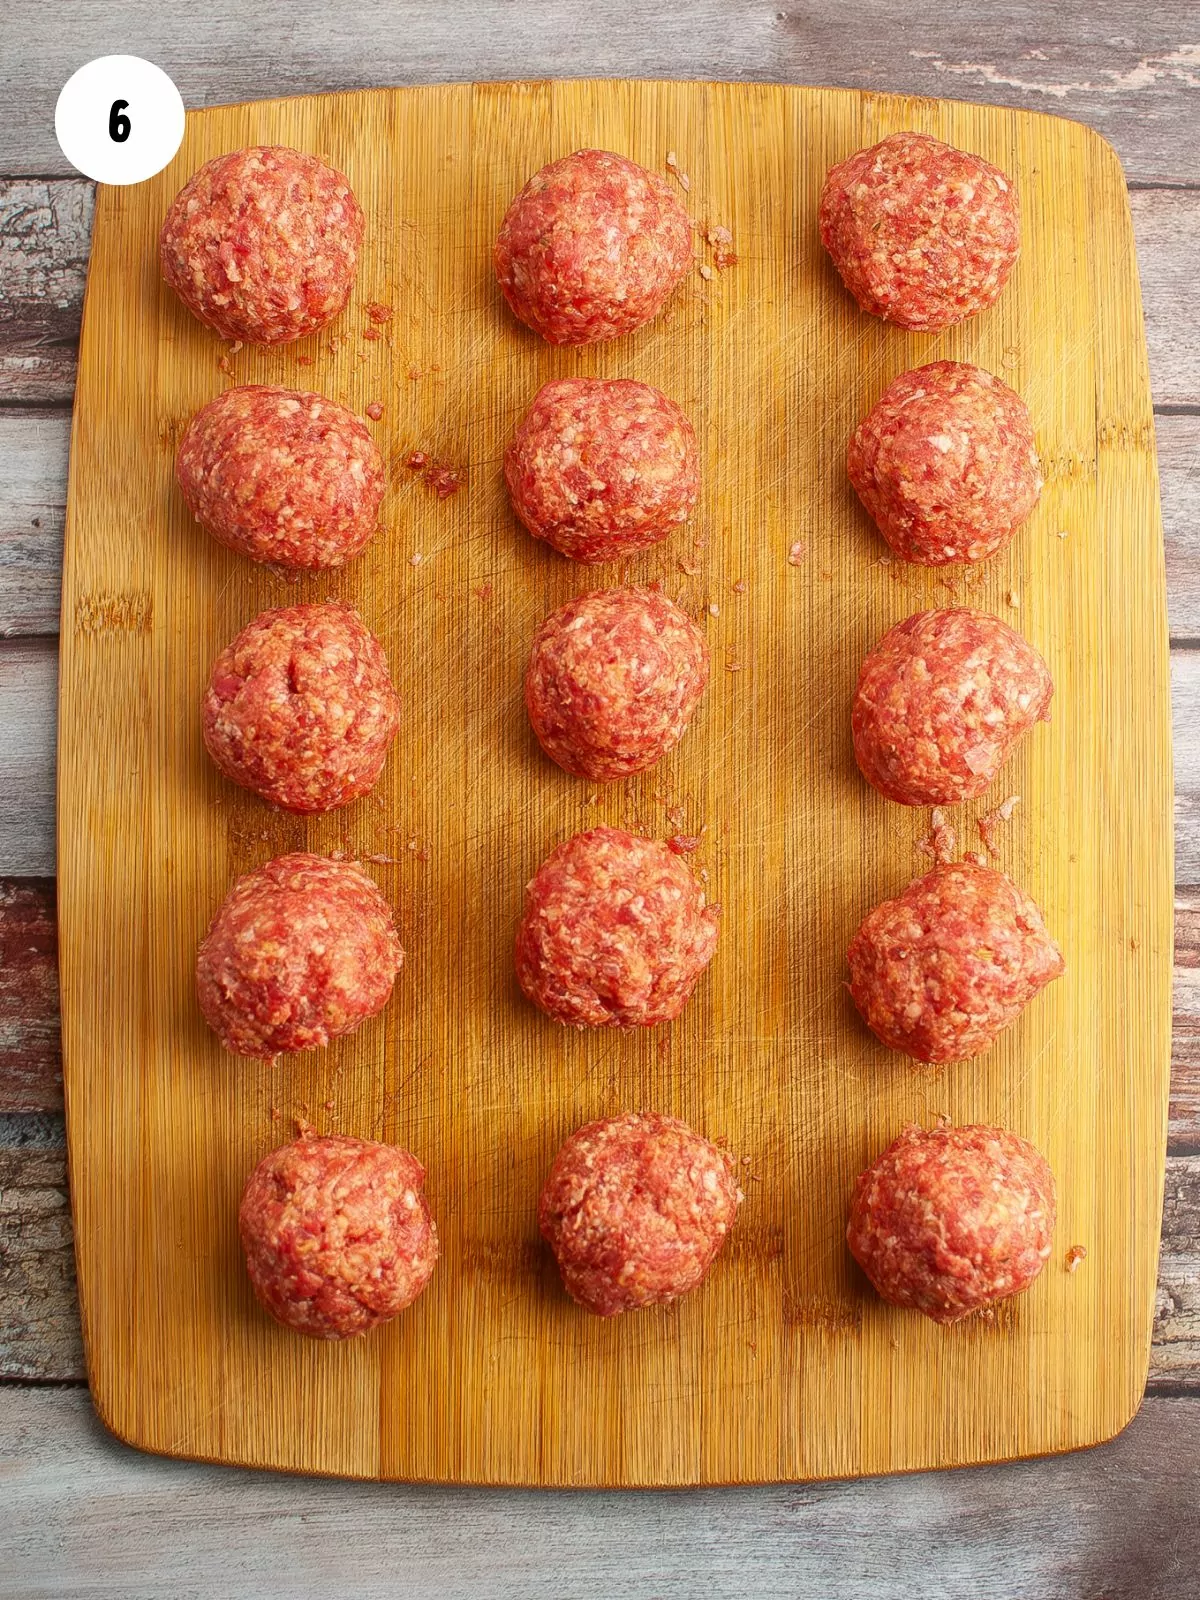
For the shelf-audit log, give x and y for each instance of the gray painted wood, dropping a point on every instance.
(1132, 72)
(28, 722)
(85, 1516)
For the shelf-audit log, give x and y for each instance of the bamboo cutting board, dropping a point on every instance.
(784, 1365)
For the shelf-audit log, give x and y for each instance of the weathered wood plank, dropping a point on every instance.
(30, 1048)
(1167, 227)
(28, 718)
(1179, 474)
(1184, 1125)
(44, 234)
(39, 1313)
(45, 230)
(33, 497)
(1185, 703)
(1132, 73)
(86, 1516)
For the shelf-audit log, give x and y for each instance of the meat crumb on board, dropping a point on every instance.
(379, 313)
(720, 242)
(797, 553)
(683, 843)
(1074, 1256)
(992, 820)
(375, 410)
(941, 840)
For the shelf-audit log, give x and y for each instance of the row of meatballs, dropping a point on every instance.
(338, 1236)
(262, 245)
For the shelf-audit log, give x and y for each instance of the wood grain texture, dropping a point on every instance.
(28, 687)
(85, 1517)
(783, 1367)
(30, 1049)
(1132, 73)
(44, 231)
(39, 1312)
(33, 448)
(42, 275)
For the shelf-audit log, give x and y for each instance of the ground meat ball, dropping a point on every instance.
(301, 951)
(636, 1209)
(613, 680)
(946, 464)
(283, 476)
(262, 244)
(922, 234)
(337, 1235)
(615, 932)
(952, 1220)
(943, 969)
(602, 468)
(301, 709)
(591, 248)
(942, 701)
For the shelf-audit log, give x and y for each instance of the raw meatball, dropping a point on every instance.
(922, 234)
(943, 969)
(636, 1209)
(946, 464)
(591, 248)
(337, 1235)
(952, 1220)
(601, 468)
(942, 701)
(280, 475)
(263, 244)
(613, 680)
(615, 932)
(301, 951)
(300, 707)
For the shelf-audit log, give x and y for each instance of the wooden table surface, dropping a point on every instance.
(83, 1515)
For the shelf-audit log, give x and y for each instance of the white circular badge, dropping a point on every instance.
(119, 119)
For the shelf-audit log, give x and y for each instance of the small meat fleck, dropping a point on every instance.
(989, 823)
(941, 839)
(1076, 1254)
(797, 553)
(683, 844)
(379, 313)
(375, 410)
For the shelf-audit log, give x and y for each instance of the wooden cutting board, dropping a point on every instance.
(784, 1365)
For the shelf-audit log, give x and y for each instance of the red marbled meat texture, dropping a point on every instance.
(282, 475)
(946, 464)
(613, 680)
(336, 1234)
(615, 932)
(592, 248)
(300, 707)
(262, 244)
(941, 702)
(301, 951)
(602, 468)
(922, 234)
(952, 1220)
(943, 969)
(635, 1209)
